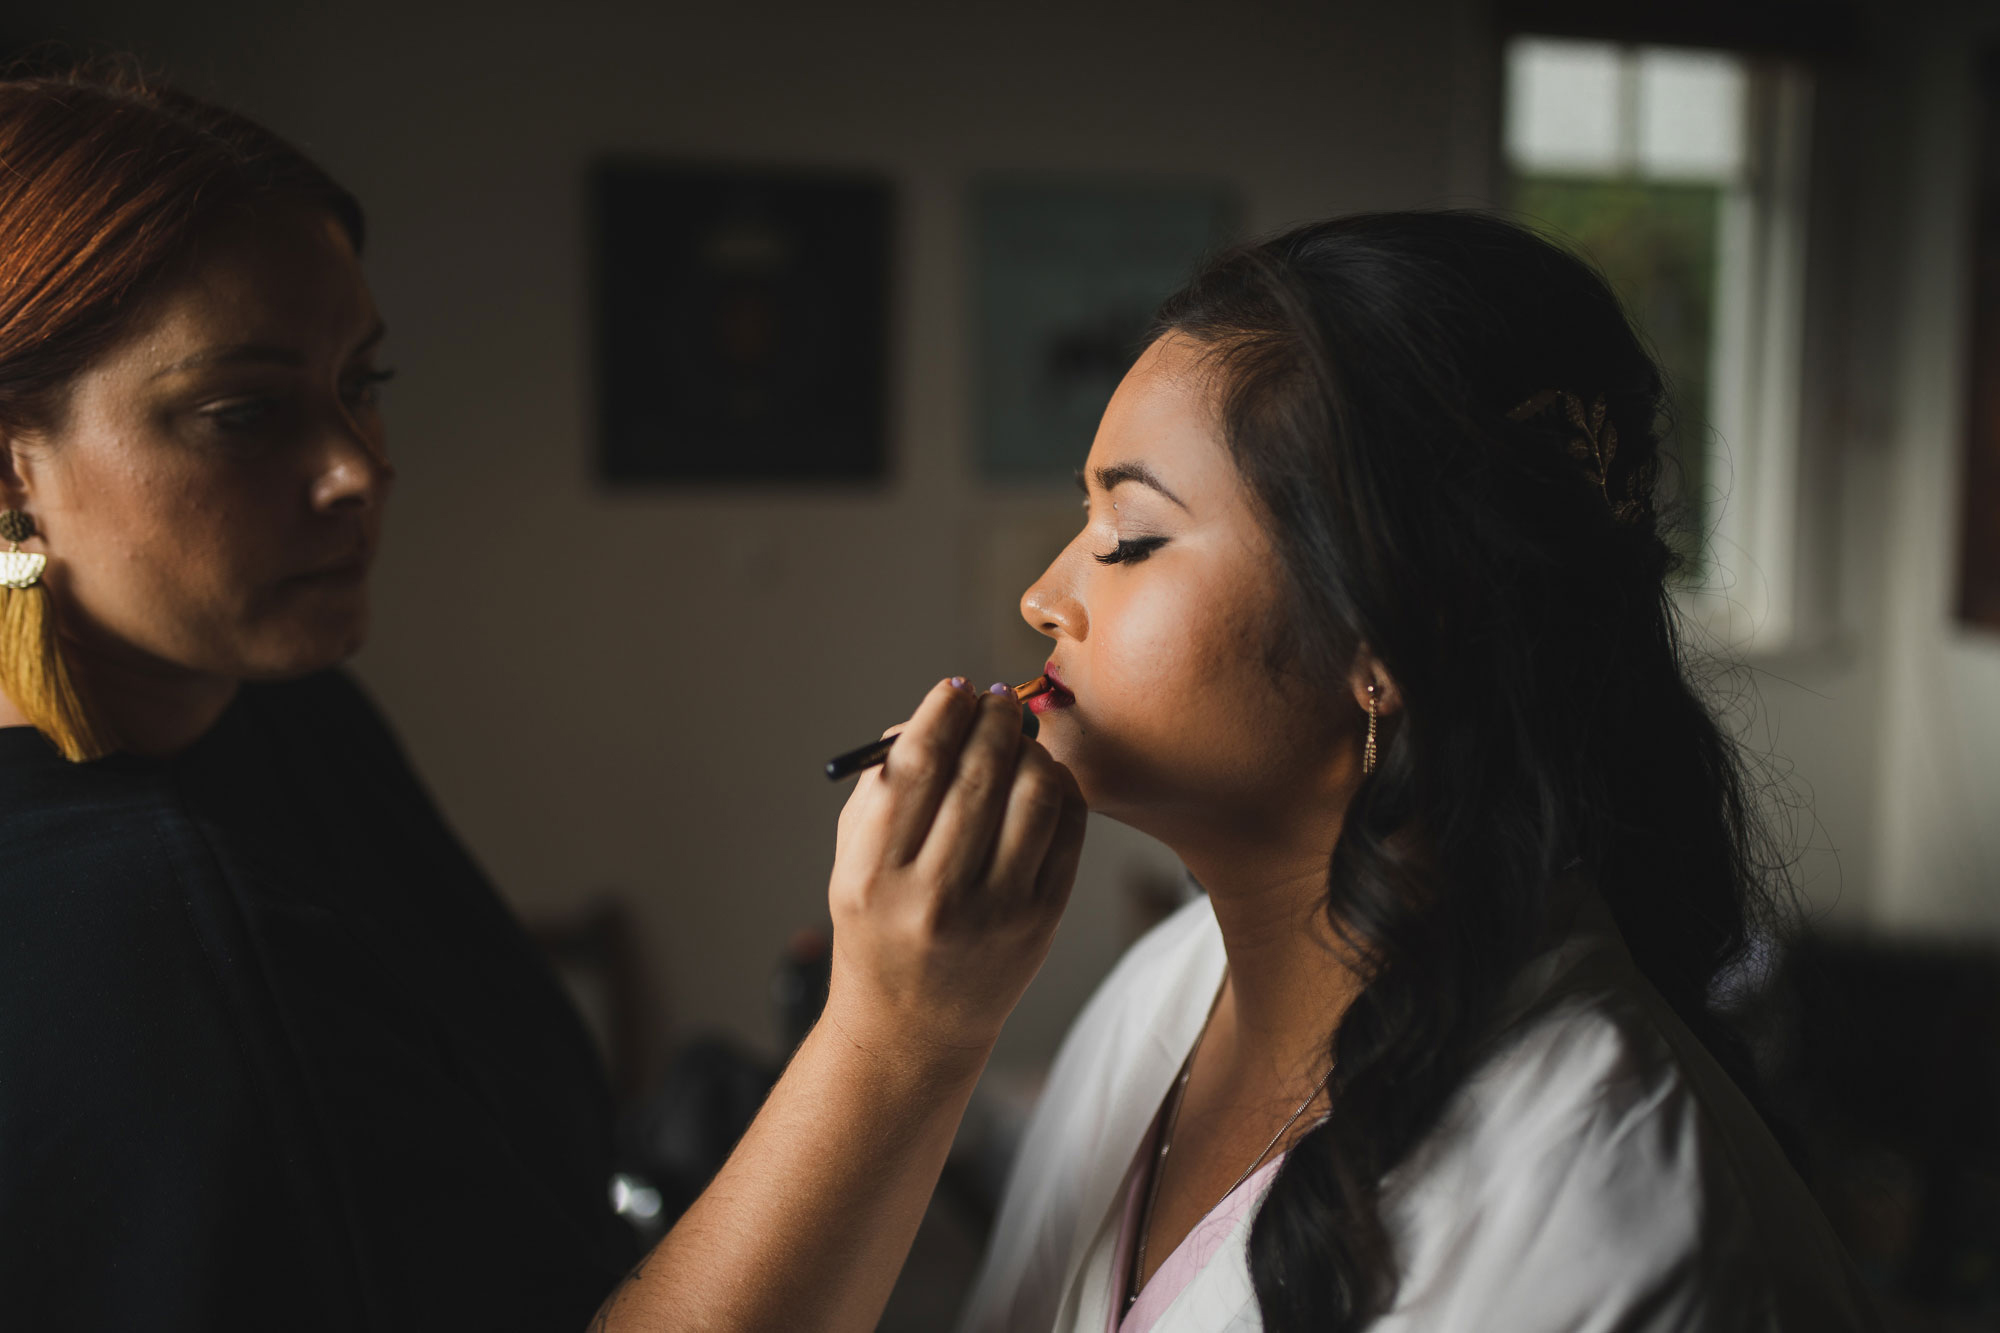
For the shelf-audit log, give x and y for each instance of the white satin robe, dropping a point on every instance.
(1598, 1173)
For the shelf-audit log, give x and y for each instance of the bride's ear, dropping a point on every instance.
(13, 491)
(1368, 670)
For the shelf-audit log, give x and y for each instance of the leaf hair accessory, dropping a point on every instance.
(1593, 443)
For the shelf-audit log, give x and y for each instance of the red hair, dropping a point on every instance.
(106, 182)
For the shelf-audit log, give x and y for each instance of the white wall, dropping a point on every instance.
(1939, 804)
(1890, 715)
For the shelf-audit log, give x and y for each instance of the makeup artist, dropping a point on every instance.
(272, 1052)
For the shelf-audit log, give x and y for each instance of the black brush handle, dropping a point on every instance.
(873, 753)
(869, 755)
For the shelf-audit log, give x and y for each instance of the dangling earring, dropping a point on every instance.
(32, 672)
(1368, 751)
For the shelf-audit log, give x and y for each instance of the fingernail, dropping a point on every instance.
(999, 687)
(958, 682)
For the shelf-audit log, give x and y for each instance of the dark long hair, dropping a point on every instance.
(1394, 395)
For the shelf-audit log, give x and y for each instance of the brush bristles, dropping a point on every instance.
(1028, 690)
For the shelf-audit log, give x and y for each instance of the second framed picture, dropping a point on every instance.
(1066, 278)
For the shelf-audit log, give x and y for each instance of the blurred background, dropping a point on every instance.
(745, 353)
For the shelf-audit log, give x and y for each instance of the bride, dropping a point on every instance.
(1369, 622)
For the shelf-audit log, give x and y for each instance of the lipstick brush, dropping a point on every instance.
(873, 753)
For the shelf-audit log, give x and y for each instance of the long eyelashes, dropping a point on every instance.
(1138, 548)
(366, 388)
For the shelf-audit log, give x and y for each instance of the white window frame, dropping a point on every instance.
(1749, 599)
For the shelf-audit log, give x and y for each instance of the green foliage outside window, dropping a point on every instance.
(1656, 243)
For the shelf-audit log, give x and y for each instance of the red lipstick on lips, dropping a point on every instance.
(1056, 696)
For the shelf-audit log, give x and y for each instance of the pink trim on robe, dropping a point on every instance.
(1189, 1257)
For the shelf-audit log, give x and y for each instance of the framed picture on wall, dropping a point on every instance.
(1979, 540)
(1066, 277)
(742, 324)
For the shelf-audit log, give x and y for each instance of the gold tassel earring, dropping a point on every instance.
(32, 671)
(1368, 751)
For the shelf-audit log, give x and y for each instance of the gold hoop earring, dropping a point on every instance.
(32, 671)
(1368, 751)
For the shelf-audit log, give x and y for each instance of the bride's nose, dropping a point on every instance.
(1050, 604)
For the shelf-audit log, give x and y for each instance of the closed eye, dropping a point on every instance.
(1138, 548)
(365, 389)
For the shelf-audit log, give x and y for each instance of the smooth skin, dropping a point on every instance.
(1182, 729)
(211, 498)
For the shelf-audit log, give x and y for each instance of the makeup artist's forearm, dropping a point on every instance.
(810, 1221)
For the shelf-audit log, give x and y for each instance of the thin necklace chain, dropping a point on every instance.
(1167, 1144)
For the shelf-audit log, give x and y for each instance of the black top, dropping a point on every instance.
(272, 1052)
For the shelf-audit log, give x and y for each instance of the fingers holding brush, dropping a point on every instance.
(864, 757)
(953, 867)
(914, 780)
(960, 841)
(1041, 835)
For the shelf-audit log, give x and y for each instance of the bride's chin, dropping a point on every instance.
(1116, 780)
(1115, 796)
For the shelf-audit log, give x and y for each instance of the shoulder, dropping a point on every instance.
(118, 944)
(129, 1091)
(1569, 1161)
(92, 858)
(114, 1017)
(1598, 1164)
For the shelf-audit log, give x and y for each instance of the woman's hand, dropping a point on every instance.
(954, 862)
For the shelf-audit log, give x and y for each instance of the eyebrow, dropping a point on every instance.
(265, 354)
(1113, 475)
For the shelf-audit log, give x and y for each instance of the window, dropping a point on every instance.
(1681, 173)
